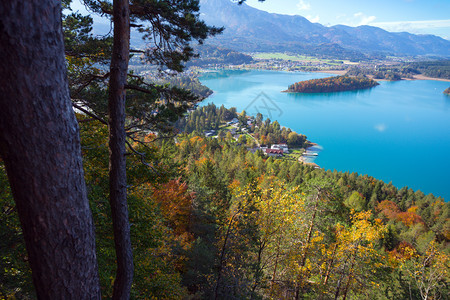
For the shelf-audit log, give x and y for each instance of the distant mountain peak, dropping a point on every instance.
(250, 29)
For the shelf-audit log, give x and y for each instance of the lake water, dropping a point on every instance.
(397, 131)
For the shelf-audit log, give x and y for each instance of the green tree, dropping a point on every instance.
(176, 25)
(356, 202)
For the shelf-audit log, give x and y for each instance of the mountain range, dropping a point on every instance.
(249, 29)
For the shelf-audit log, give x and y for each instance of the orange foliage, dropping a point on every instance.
(203, 160)
(409, 218)
(234, 184)
(176, 205)
(388, 209)
(195, 139)
(149, 138)
(437, 208)
(413, 209)
(403, 251)
(391, 211)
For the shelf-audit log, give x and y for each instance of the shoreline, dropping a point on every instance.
(423, 77)
(342, 72)
(415, 77)
(334, 72)
(303, 161)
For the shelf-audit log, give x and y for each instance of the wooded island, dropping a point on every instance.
(332, 84)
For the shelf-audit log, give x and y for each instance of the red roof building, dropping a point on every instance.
(274, 152)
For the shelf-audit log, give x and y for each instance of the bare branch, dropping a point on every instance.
(93, 77)
(90, 114)
(138, 88)
(142, 156)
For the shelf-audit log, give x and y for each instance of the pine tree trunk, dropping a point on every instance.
(117, 165)
(259, 269)
(328, 271)
(300, 285)
(39, 142)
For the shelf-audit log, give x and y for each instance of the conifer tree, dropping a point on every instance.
(40, 145)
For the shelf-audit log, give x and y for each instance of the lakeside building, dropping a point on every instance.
(274, 152)
(283, 147)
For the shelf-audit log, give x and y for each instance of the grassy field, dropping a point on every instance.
(283, 56)
(295, 154)
(295, 57)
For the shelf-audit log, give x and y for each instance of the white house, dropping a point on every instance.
(234, 121)
(283, 147)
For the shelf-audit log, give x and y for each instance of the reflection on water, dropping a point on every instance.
(382, 131)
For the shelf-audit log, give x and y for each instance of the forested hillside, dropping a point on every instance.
(436, 69)
(217, 119)
(212, 220)
(217, 56)
(433, 69)
(177, 214)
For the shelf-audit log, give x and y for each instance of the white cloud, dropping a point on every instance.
(381, 127)
(408, 25)
(362, 19)
(437, 27)
(303, 5)
(313, 19)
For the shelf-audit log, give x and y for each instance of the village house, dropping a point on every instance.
(234, 121)
(283, 147)
(274, 152)
(209, 133)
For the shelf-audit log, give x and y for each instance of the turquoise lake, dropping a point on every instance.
(398, 132)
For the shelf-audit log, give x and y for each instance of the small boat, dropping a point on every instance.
(310, 154)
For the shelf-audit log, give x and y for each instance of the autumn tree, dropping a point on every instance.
(172, 26)
(158, 210)
(428, 272)
(356, 258)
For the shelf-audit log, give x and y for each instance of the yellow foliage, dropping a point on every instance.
(413, 209)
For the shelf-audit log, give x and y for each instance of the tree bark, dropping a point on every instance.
(299, 288)
(40, 144)
(259, 270)
(117, 164)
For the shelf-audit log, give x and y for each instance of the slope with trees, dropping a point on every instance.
(177, 25)
(213, 55)
(265, 132)
(209, 219)
(434, 69)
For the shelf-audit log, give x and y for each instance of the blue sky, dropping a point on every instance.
(415, 16)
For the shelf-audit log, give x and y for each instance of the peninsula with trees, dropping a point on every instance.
(332, 84)
(113, 187)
